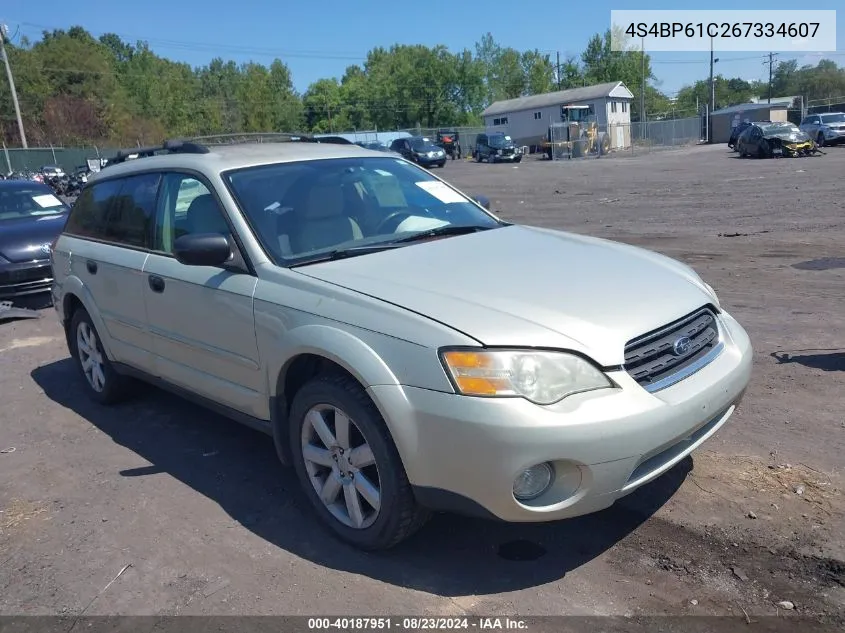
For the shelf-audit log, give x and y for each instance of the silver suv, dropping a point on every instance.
(825, 128)
(407, 350)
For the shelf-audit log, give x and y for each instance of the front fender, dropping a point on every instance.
(341, 347)
(74, 286)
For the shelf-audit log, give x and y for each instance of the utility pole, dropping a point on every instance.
(329, 112)
(713, 61)
(712, 91)
(557, 71)
(642, 89)
(771, 63)
(3, 31)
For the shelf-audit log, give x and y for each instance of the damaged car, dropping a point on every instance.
(769, 140)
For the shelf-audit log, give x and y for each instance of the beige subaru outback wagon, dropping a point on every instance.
(407, 350)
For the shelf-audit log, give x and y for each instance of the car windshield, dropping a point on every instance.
(499, 140)
(837, 117)
(302, 210)
(28, 201)
(420, 143)
(779, 128)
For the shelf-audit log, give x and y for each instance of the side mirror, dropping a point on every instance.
(484, 201)
(202, 249)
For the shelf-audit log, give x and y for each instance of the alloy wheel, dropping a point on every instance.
(341, 466)
(90, 357)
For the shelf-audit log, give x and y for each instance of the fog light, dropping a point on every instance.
(532, 482)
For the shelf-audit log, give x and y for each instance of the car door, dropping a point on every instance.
(201, 317)
(813, 124)
(110, 228)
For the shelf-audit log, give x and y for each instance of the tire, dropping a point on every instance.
(398, 515)
(105, 386)
(478, 157)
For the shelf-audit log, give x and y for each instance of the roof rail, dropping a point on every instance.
(200, 144)
(174, 146)
(267, 137)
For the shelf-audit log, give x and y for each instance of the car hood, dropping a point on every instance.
(527, 286)
(425, 149)
(790, 137)
(21, 239)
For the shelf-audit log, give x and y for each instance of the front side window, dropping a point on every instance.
(302, 209)
(185, 207)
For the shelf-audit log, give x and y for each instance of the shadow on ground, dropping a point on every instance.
(833, 361)
(237, 468)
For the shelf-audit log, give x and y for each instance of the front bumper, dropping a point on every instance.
(427, 161)
(462, 454)
(506, 158)
(25, 279)
(796, 149)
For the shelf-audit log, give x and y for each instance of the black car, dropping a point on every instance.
(496, 147)
(421, 150)
(31, 217)
(768, 140)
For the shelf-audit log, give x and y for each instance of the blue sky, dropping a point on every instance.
(320, 38)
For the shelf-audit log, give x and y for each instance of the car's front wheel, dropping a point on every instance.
(348, 465)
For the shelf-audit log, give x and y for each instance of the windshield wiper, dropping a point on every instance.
(343, 253)
(451, 229)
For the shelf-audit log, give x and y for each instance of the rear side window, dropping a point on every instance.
(120, 210)
(132, 212)
(88, 215)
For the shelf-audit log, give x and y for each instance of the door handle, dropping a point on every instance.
(156, 283)
(91, 266)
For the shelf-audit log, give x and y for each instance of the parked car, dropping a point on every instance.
(407, 350)
(31, 217)
(826, 128)
(768, 140)
(496, 147)
(51, 171)
(420, 150)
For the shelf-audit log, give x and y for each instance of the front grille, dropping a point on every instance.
(20, 275)
(655, 358)
(25, 280)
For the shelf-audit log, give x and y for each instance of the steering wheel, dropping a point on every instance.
(404, 215)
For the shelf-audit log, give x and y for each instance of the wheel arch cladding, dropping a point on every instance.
(77, 296)
(313, 349)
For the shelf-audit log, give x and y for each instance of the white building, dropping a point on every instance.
(527, 119)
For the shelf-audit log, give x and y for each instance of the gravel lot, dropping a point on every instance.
(211, 524)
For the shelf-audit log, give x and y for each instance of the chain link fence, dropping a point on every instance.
(568, 141)
(34, 158)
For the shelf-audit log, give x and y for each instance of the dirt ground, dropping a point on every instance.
(209, 523)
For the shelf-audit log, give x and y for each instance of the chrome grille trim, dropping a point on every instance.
(651, 361)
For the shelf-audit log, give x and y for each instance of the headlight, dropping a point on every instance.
(540, 377)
